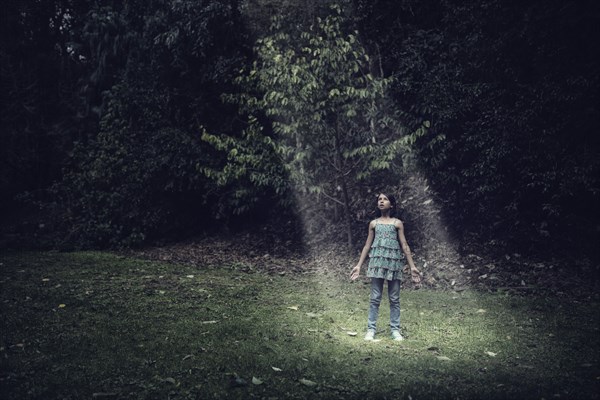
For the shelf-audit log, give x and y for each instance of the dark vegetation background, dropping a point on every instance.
(105, 103)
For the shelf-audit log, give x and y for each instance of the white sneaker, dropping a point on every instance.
(397, 336)
(370, 334)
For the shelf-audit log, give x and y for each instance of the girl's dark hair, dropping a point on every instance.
(393, 202)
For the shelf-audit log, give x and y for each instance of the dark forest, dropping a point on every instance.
(131, 123)
(257, 134)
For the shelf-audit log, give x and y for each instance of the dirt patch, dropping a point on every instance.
(442, 266)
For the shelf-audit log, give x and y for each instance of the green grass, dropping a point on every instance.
(97, 325)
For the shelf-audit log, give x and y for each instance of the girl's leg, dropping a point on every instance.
(394, 296)
(376, 289)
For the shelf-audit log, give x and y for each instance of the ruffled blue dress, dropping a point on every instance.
(386, 259)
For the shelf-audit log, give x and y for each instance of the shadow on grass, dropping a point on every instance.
(84, 325)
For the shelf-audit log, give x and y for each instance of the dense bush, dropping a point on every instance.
(512, 93)
(136, 180)
(153, 77)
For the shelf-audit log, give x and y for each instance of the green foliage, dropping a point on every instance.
(333, 126)
(512, 94)
(258, 14)
(151, 79)
(249, 173)
(508, 94)
(39, 95)
(130, 181)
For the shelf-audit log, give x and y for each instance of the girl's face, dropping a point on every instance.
(383, 203)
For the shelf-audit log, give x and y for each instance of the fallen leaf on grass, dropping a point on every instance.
(443, 358)
(352, 333)
(256, 381)
(170, 380)
(312, 315)
(295, 308)
(276, 369)
(307, 382)
(189, 276)
(62, 305)
(45, 279)
(209, 322)
(491, 354)
(187, 357)
(481, 310)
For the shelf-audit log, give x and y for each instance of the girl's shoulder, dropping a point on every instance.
(398, 223)
(372, 224)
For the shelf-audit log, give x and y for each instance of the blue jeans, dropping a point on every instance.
(394, 296)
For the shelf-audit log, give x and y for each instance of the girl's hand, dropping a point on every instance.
(355, 272)
(415, 275)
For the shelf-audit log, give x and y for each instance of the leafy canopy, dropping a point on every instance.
(329, 121)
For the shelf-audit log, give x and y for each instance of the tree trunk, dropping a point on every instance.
(347, 213)
(344, 184)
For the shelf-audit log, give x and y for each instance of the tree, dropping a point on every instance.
(38, 109)
(154, 75)
(512, 88)
(331, 119)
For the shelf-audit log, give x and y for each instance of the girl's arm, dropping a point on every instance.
(414, 272)
(365, 251)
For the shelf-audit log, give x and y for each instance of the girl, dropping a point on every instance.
(385, 240)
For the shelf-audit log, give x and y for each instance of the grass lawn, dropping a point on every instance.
(97, 325)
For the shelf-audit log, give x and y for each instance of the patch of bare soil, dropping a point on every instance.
(441, 265)
(249, 252)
